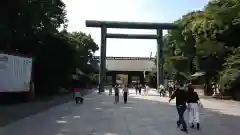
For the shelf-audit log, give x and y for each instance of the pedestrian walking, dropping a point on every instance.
(116, 91)
(162, 90)
(193, 107)
(181, 99)
(110, 91)
(136, 88)
(147, 89)
(170, 91)
(125, 93)
(144, 90)
(78, 96)
(76, 85)
(140, 89)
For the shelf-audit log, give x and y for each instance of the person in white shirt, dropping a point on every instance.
(162, 90)
(144, 90)
(147, 89)
(110, 90)
(193, 107)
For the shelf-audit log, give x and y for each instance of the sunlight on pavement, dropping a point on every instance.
(76, 117)
(61, 121)
(64, 130)
(128, 107)
(222, 107)
(110, 134)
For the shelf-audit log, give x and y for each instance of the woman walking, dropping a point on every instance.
(78, 96)
(147, 89)
(170, 90)
(77, 91)
(140, 89)
(193, 102)
(125, 93)
(110, 91)
(144, 90)
(136, 88)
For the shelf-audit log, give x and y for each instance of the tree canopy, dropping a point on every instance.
(207, 41)
(31, 28)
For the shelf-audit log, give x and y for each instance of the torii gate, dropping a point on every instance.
(130, 25)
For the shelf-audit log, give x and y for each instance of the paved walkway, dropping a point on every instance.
(143, 115)
(12, 112)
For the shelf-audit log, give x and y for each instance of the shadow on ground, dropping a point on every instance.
(11, 113)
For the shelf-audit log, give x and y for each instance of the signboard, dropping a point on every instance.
(15, 73)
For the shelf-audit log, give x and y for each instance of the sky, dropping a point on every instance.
(160, 11)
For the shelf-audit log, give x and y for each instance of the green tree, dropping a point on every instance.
(85, 47)
(54, 64)
(205, 38)
(30, 28)
(61, 56)
(230, 75)
(25, 23)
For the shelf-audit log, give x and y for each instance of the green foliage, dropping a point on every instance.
(30, 28)
(54, 64)
(206, 41)
(231, 71)
(25, 23)
(64, 53)
(85, 47)
(151, 79)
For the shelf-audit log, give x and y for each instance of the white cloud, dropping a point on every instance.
(112, 10)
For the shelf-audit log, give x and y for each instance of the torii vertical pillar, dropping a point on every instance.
(141, 77)
(102, 73)
(160, 60)
(130, 79)
(114, 77)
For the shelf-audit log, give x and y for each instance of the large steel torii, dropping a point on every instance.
(130, 25)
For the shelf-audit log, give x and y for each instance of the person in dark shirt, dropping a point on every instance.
(181, 99)
(116, 90)
(125, 93)
(140, 89)
(193, 102)
(136, 88)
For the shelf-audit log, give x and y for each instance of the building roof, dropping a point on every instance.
(129, 63)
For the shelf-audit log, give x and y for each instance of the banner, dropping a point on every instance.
(15, 73)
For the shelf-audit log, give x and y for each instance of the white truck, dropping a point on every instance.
(15, 73)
